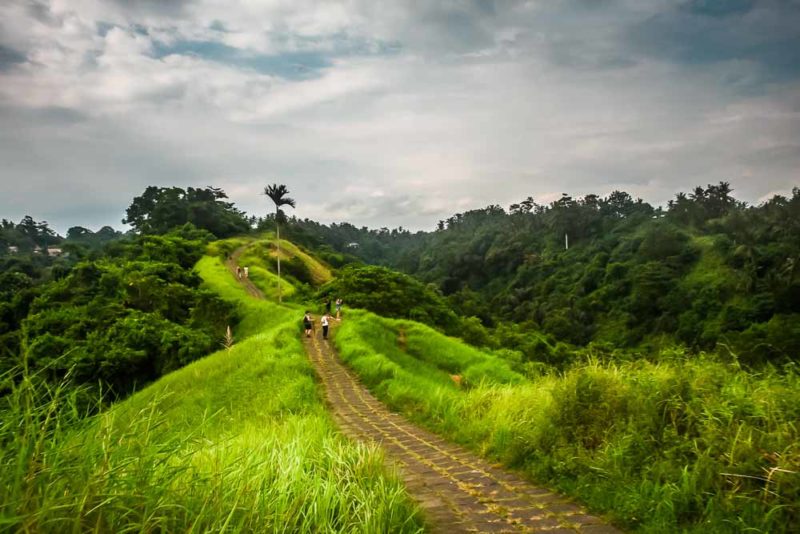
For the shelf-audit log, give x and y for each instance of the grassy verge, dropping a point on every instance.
(237, 441)
(690, 445)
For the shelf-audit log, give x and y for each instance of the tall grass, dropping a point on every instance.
(688, 444)
(237, 441)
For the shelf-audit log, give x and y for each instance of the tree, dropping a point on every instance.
(277, 193)
(160, 209)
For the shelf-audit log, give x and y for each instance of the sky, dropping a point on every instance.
(392, 113)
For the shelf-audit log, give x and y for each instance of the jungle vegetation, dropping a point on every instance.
(238, 441)
(707, 272)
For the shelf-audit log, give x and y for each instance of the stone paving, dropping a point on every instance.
(457, 490)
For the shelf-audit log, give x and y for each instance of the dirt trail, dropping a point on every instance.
(231, 263)
(457, 490)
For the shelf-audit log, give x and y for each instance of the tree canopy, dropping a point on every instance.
(708, 271)
(160, 209)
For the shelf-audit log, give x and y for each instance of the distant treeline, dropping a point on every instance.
(706, 271)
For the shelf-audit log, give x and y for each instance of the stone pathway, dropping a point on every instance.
(457, 490)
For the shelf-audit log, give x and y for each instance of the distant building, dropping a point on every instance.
(53, 251)
(13, 249)
(352, 245)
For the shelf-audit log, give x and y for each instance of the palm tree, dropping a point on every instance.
(278, 195)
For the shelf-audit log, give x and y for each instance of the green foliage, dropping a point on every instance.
(239, 441)
(296, 264)
(700, 273)
(391, 294)
(120, 322)
(31, 255)
(160, 209)
(28, 235)
(429, 353)
(684, 445)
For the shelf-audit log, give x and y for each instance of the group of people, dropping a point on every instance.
(308, 320)
(325, 320)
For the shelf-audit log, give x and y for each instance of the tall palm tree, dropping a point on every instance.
(278, 195)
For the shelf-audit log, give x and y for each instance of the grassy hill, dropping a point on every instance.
(237, 441)
(241, 441)
(297, 266)
(688, 444)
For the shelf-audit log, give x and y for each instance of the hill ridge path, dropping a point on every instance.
(457, 490)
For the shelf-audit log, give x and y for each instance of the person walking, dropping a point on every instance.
(325, 322)
(247, 272)
(328, 306)
(339, 309)
(308, 323)
(238, 272)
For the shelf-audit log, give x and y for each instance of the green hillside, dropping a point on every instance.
(649, 370)
(706, 272)
(687, 444)
(299, 268)
(237, 441)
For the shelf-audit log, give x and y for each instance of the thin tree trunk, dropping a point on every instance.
(278, 231)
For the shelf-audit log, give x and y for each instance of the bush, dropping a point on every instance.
(391, 294)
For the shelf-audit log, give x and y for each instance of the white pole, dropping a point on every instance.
(566, 241)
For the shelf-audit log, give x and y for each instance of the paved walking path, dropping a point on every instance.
(457, 490)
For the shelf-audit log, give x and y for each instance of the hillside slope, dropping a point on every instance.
(686, 445)
(237, 441)
(259, 254)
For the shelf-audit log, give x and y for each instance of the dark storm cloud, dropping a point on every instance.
(718, 8)
(10, 57)
(706, 32)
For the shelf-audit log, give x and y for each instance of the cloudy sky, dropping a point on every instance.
(389, 113)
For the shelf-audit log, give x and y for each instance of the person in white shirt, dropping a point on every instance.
(324, 322)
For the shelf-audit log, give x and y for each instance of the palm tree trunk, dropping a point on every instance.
(278, 231)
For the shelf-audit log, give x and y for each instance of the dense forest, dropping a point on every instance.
(113, 311)
(707, 271)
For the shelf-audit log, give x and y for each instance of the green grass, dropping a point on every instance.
(320, 273)
(238, 441)
(295, 262)
(254, 315)
(267, 282)
(688, 444)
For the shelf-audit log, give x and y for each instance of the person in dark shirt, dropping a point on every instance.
(308, 323)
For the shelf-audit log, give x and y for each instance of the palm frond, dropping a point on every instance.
(277, 193)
